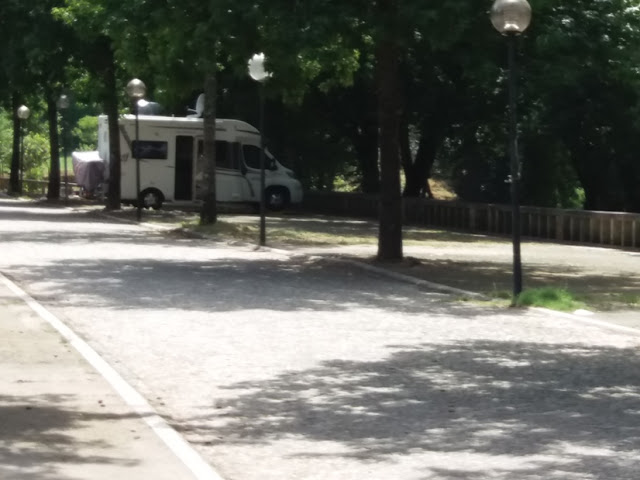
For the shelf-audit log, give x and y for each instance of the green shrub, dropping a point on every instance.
(85, 134)
(6, 143)
(36, 156)
(548, 297)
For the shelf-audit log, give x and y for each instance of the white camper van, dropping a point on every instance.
(172, 164)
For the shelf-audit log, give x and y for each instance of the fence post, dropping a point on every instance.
(605, 228)
(560, 227)
(473, 226)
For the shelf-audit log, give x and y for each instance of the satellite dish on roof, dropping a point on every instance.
(199, 111)
(200, 105)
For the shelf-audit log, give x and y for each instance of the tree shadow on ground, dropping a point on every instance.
(488, 276)
(363, 229)
(66, 227)
(34, 438)
(289, 284)
(227, 284)
(499, 410)
(601, 291)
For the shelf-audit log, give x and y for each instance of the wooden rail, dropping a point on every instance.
(616, 229)
(37, 187)
(576, 226)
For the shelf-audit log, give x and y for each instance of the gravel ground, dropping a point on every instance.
(607, 280)
(278, 366)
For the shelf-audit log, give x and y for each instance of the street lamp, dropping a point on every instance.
(258, 73)
(23, 113)
(511, 18)
(136, 90)
(63, 103)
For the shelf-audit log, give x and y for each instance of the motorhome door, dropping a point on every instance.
(231, 184)
(251, 160)
(184, 167)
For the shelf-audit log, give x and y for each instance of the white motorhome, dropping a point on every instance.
(172, 165)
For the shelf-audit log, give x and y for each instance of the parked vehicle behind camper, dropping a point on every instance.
(172, 164)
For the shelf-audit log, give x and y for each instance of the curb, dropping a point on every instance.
(396, 276)
(168, 435)
(365, 266)
(152, 226)
(589, 321)
(413, 280)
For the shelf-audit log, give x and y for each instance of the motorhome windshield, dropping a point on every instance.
(252, 158)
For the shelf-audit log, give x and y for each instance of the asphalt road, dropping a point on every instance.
(288, 367)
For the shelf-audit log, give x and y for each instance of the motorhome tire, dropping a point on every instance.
(152, 198)
(277, 198)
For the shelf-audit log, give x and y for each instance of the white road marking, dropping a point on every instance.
(590, 321)
(172, 439)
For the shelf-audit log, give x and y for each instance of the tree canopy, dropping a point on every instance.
(371, 93)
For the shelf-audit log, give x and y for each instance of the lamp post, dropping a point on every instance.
(258, 73)
(511, 18)
(23, 114)
(63, 103)
(136, 90)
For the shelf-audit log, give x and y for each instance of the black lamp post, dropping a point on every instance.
(23, 114)
(511, 18)
(63, 104)
(258, 73)
(136, 90)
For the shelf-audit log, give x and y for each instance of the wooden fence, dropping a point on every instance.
(37, 187)
(576, 226)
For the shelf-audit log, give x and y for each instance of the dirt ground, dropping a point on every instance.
(606, 279)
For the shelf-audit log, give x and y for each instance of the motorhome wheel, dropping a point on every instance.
(277, 198)
(152, 198)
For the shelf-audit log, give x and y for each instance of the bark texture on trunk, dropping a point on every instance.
(387, 64)
(53, 190)
(209, 212)
(418, 170)
(14, 175)
(111, 108)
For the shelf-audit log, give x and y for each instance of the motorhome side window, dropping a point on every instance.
(149, 150)
(225, 154)
(252, 158)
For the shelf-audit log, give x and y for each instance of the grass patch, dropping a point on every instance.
(288, 236)
(612, 300)
(224, 230)
(630, 299)
(323, 232)
(549, 297)
(309, 237)
(444, 238)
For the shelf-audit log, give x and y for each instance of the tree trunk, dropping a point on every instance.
(418, 170)
(14, 175)
(53, 190)
(111, 108)
(387, 54)
(365, 137)
(593, 177)
(366, 145)
(209, 212)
